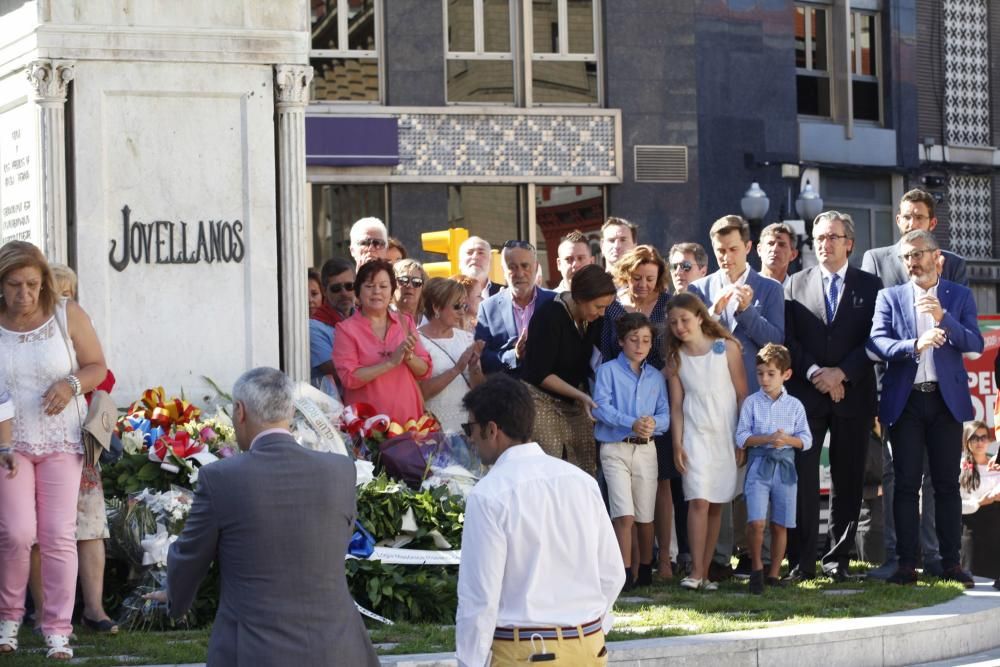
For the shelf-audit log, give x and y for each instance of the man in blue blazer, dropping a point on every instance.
(753, 308)
(503, 318)
(916, 211)
(922, 329)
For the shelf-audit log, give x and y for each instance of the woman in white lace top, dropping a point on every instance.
(49, 357)
(454, 354)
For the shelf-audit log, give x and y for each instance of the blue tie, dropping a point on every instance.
(831, 298)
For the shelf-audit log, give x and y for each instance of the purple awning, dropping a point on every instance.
(339, 141)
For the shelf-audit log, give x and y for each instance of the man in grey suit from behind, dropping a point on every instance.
(277, 519)
(916, 211)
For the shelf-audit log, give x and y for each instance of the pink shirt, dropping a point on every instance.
(523, 315)
(395, 392)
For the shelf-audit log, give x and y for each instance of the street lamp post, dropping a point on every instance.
(755, 205)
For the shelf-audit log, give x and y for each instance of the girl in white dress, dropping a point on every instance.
(707, 385)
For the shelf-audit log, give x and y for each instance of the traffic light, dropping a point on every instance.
(447, 243)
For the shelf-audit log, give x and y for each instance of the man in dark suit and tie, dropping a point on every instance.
(503, 318)
(828, 317)
(277, 519)
(921, 329)
(916, 211)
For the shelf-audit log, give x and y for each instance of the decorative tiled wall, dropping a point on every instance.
(971, 209)
(508, 146)
(966, 72)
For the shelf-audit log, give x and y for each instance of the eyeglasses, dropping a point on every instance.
(979, 438)
(467, 428)
(683, 266)
(833, 238)
(337, 288)
(406, 281)
(524, 245)
(914, 254)
(460, 307)
(368, 241)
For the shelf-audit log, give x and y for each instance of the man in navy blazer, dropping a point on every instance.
(753, 308)
(827, 323)
(922, 329)
(503, 318)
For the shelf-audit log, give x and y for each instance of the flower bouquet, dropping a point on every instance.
(165, 441)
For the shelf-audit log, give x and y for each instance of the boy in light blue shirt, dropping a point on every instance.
(772, 426)
(632, 407)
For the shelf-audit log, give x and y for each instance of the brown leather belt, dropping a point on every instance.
(632, 440)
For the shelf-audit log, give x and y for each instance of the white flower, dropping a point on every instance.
(132, 442)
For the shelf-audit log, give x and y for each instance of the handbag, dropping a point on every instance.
(102, 414)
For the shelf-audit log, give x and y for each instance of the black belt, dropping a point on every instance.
(925, 387)
(632, 440)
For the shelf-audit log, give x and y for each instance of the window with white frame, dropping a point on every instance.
(866, 93)
(812, 60)
(564, 52)
(345, 50)
(489, 59)
(479, 58)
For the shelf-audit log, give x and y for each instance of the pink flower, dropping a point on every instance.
(226, 451)
(207, 434)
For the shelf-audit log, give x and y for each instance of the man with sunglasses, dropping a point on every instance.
(369, 240)
(916, 211)
(503, 318)
(521, 599)
(688, 263)
(921, 330)
(337, 278)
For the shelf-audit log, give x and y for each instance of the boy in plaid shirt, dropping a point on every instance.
(772, 426)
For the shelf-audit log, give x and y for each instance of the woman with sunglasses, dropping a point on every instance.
(454, 353)
(377, 352)
(408, 297)
(980, 487)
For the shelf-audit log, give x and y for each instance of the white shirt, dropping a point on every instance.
(926, 370)
(733, 302)
(538, 550)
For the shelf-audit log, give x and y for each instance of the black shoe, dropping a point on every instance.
(903, 576)
(645, 576)
(956, 573)
(718, 572)
(934, 568)
(839, 573)
(797, 575)
(775, 582)
(744, 566)
(757, 582)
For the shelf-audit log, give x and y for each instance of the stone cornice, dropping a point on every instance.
(291, 84)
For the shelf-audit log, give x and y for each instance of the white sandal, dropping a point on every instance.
(691, 583)
(8, 636)
(58, 644)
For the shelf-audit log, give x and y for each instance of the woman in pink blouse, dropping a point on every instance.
(377, 353)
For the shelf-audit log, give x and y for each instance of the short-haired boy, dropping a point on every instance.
(772, 426)
(632, 407)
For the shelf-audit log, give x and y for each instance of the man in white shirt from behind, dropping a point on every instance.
(538, 549)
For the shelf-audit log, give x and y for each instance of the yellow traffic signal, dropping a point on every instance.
(447, 243)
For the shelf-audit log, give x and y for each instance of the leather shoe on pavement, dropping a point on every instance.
(903, 576)
(956, 573)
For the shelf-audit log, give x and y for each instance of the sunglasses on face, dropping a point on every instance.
(683, 266)
(336, 288)
(467, 428)
(460, 307)
(374, 243)
(979, 438)
(406, 281)
(524, 245)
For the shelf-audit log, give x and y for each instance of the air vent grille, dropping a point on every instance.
(661, 164)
